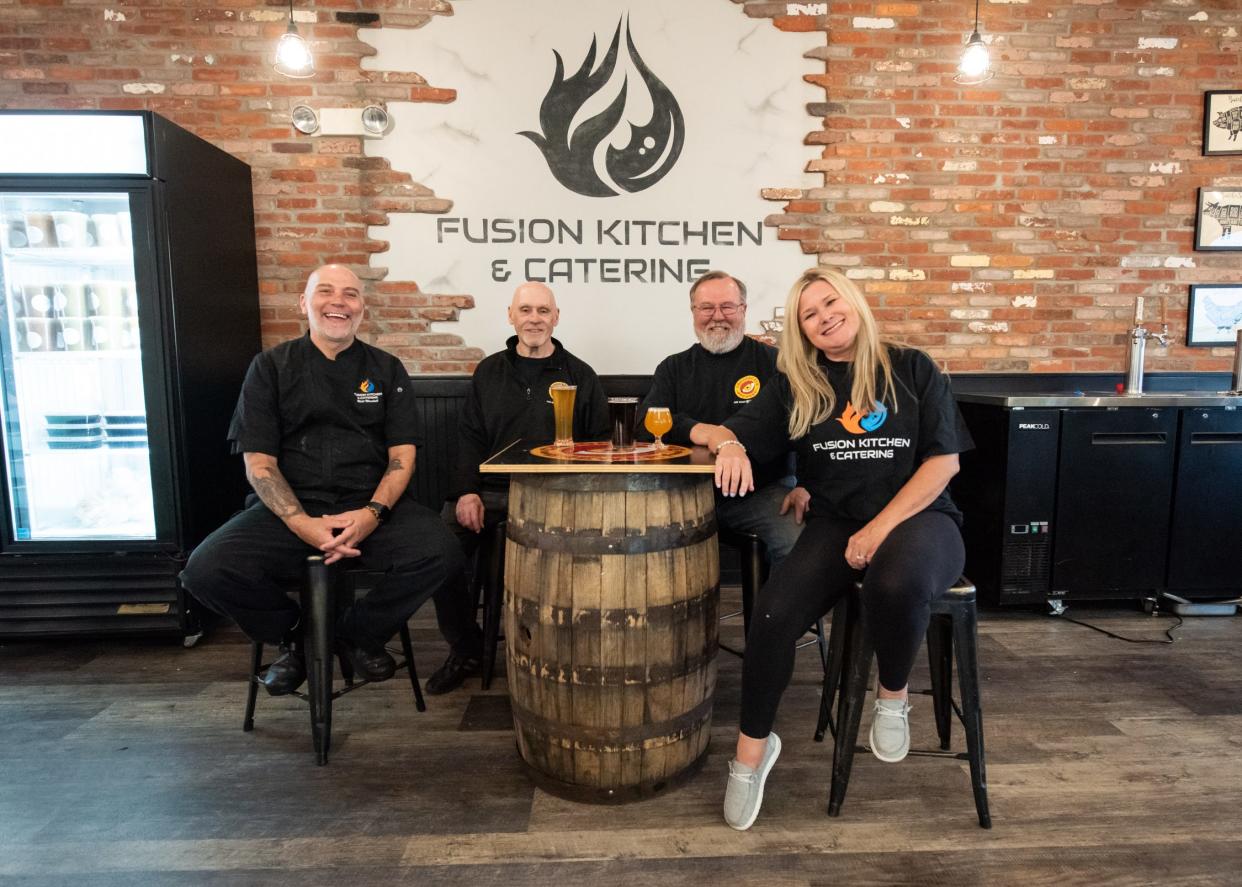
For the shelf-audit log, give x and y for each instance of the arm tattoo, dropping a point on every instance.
(393, 465)
(274, 491)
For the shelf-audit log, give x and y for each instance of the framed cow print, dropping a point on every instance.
(1218, 219)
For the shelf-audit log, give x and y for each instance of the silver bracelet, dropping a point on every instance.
(731, 442)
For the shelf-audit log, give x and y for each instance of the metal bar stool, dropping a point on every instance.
(951, 634)
(320, 605)
(754, 564)
(490, 563)
(754, 568)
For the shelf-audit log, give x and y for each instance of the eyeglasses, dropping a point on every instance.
(728, 309)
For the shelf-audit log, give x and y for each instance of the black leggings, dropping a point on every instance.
(918, 562)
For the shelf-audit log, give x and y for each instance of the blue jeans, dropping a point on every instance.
(759, 513)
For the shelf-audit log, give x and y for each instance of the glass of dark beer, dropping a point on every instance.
(622, 413)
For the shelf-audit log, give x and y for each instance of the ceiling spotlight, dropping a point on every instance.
(975, 64)
(305, 120)
(375, 120)
(293, 55)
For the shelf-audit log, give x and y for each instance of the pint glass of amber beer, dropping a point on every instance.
(563, 412)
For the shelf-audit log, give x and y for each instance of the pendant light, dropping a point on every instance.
(975, 65)
(293, 55)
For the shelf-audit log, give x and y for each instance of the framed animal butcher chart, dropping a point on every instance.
(1215, 314)
(1222, 121)
(1218, 219)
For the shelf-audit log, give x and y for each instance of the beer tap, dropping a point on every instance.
(1139, 335)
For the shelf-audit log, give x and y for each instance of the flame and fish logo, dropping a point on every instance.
(366, 386)
(571, 145)
(860, 423)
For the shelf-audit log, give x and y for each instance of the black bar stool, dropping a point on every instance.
(320, 605)
(754, 563)
(951, 634)
(490, 580)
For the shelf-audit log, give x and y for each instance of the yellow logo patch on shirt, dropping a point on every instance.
(746, 387)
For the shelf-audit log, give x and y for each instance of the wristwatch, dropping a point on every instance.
(380, 510)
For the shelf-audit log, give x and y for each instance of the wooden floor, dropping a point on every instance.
(124, 763)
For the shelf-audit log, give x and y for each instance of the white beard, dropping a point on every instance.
(720, 341)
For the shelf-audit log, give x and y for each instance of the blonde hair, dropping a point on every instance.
(813, 398)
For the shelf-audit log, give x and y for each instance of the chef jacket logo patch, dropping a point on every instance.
(746, 387)
(367, 392)
(861, 423)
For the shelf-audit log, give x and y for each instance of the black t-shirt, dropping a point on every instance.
(698, 386)
(329, 423)
(854, 462)
(529, 369)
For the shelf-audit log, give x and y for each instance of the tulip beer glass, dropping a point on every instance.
(659, 421)
(563, 412)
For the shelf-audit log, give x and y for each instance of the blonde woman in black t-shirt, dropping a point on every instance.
(877, 433)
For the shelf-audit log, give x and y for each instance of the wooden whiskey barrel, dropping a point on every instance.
(612, 588)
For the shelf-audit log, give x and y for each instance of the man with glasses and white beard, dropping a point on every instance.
(709, 382)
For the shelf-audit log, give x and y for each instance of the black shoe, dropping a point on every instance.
(452, 674)
(287, 672)
(374, 666)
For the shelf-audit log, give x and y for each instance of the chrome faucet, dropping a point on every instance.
(1139, 335)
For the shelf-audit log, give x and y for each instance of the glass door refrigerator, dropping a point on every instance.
(129, 312)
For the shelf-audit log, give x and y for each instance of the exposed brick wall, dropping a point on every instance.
(1011, 226)
(206, 66)
(1007, 227)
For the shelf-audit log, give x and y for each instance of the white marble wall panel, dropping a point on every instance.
(738, 84)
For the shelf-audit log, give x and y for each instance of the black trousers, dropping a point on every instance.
(455, 612)
(245, 569)
(919, 561)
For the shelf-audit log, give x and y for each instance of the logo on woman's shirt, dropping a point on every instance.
(861, 423)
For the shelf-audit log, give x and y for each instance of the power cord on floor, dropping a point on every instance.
(1059, 612)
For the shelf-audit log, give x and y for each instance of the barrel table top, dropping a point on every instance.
(518, 458)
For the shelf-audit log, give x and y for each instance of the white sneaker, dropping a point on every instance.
(744, 793)
(890, 730)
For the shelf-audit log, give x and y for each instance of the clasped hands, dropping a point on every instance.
(336, 535)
